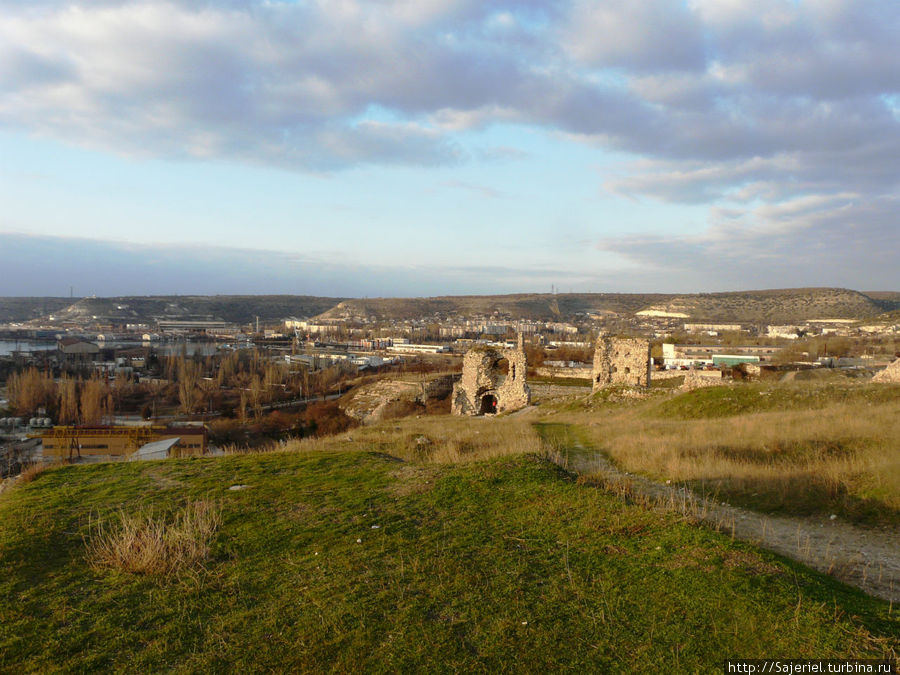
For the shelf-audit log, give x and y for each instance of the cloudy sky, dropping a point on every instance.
(419, 147)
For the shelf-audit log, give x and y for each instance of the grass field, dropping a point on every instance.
(830, 447)
(339, 556)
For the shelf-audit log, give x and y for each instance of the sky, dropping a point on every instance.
(429, 147)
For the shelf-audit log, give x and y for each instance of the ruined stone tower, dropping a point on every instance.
(621, 361)
(493, 381)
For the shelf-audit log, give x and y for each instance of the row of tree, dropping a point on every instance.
(71, 400)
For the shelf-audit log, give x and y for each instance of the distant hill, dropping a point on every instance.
(232, 308)
(25, 309)
(889, 300)
(536, 306)
(768, 306)
(793, 305)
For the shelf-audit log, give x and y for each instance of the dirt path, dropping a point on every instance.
(866, 558)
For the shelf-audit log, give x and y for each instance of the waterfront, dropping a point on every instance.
(7, 347)
(175, 347)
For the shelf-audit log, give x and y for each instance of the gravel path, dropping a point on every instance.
(866, 558)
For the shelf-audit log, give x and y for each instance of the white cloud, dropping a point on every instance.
(651, 34)
(748, 107)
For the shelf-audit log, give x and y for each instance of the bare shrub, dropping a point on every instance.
(326, 418)
(144, 543)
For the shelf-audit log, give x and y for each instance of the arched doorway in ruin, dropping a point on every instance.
(488, 404)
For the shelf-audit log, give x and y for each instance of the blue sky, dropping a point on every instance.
(447, 146)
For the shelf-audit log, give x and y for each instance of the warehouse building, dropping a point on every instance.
(105, 443)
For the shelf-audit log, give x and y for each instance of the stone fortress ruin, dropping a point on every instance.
(493, 381)
(620, 361)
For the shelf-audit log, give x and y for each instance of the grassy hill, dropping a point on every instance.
(777, 306)
(25, 309)
(815, 447)
(233, 308)
(767, 306)
(543, 306)
(346, 558)
(889, 300)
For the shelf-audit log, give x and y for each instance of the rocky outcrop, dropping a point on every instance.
(891, 374)
(369, 403)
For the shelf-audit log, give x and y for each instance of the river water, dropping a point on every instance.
(7, 347)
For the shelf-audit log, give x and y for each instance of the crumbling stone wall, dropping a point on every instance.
(697, 379)
(486, 386)
(621, 361)
(889, 374)
(567, 373)
(438, 387)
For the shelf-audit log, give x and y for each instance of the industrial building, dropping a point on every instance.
(191, 326)
(712, 327)
(120, 442)
(417, 349)
(676, 355)
(76, 352)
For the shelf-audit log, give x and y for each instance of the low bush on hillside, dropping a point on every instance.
(321, 418)
(326, 418)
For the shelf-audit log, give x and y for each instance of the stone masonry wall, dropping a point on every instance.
(567, 373)
(697, 379)
(483, 382)
(621, 361)
(438, 387)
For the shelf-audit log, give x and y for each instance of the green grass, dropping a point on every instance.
(712, 402)
(501, 565)
(577, 382)
(795, 448)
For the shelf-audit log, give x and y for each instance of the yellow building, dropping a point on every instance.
(98, 443)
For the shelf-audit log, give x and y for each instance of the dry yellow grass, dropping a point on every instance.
(146, 544)
(35, 470)
(439, 439)
(844, 455)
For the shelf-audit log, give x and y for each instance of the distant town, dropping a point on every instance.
(173, 382)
